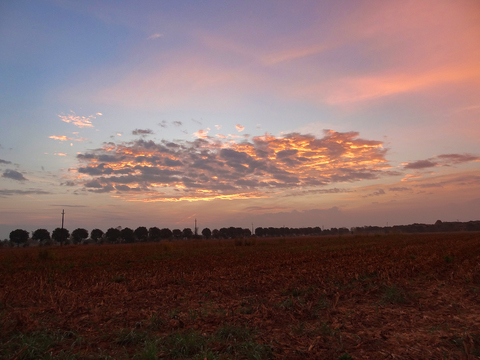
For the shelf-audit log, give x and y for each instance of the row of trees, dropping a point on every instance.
(142, 234)
(119, 235)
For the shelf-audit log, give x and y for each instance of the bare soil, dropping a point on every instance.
(349, 297)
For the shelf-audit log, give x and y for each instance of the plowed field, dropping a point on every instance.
(351, 297)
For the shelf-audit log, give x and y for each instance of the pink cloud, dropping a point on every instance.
(367, 88)
(292, 54)
(80, 121)
(190, 79)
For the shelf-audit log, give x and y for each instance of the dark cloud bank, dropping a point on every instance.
(14, 175)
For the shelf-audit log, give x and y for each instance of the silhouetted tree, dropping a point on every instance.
(216, 234)
(154, 234)
(41, 235)
(127, 235)
(112, 235)
(166, 233)
(343, 231)
(78, 235)
(177, 233)
(60, 235)
(187, 233)
(19, 236)
(259, 231)
(96, 234)
(207, 233)
(223, 233)
(141, 233)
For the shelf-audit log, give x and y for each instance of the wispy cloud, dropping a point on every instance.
(292, 54)
(66, 138)
(155, 36)
(379, 192)
(5, 162)
(60, 138)
(7, 192)
(399, 188)
(239, 128)
(69, 206)
(142, 132)
(264, 208)
(441, 160)
(79, 121)
(319, 191)
(363, 88)
(420, 164)
(209, 168)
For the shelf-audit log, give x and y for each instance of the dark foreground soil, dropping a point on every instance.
(368, 297)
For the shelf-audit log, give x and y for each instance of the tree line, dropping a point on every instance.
(118, 235)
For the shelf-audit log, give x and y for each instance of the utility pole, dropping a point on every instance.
(63, 218)
(252, 229)
(196, 232)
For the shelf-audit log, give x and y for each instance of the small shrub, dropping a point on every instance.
(232, 332)
(166, 246)
(297, 292)
(287, 304)
(149, 351)
(156, 322)
(129, 337)
(184, 345)
(322, 303)
(395, 295)
(326, 330)
(118, 278)
(45, 254)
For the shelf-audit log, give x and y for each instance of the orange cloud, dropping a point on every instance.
(240, 128)
(61, 138)
(201, 134)
(65, 138)
(208, 168)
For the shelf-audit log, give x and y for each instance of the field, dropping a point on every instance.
(350, 297)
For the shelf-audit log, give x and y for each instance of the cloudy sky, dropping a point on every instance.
(277, 113)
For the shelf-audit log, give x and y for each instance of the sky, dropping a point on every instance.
(271, 113)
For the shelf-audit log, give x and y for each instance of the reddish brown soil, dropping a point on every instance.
(377, 297)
